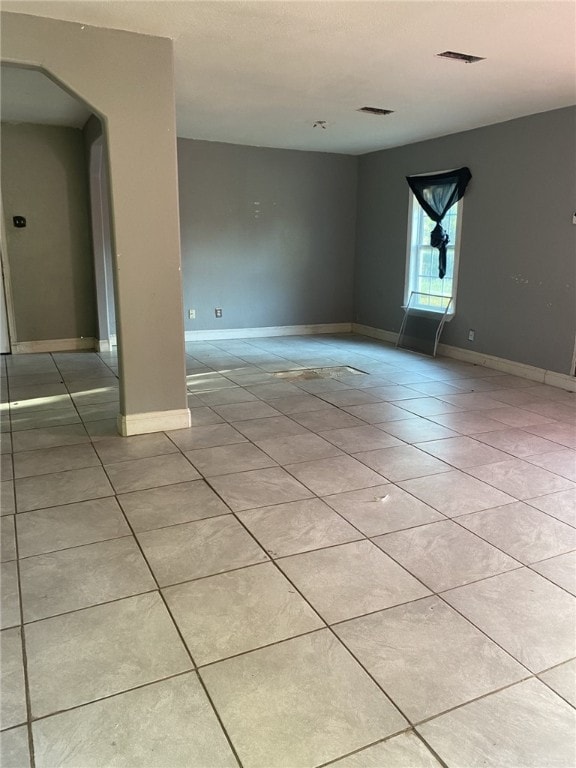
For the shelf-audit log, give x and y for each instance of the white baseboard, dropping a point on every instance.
(106, 345)
(524, 371)
(276, 330)
(561, 380)
(553, 378)
(375, 333)
(53, 345)
(153, 421)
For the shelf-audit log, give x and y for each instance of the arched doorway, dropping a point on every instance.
(127, 79)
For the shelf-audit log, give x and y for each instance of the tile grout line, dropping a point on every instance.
(107, 696)
(526, 679)
(179, 633)
(440, 596)
(538, 677)
(326, 626)
(27, 691)
(520, 563)
(381, 534)
(452, 467)
(408, 731)
(31, 746)
(508, 504)
(366, 747)
(329, 628)
(547, 578)
(431, 748)
(28, 697)
(285, 467)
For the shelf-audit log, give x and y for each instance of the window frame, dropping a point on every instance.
(410, 248)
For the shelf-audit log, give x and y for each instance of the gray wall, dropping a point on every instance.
(44, 178)
(517, 269)
(266, 234)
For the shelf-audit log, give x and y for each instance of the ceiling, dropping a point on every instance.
(262, 73)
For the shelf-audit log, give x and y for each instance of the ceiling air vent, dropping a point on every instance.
(465, 57)
(376, 111)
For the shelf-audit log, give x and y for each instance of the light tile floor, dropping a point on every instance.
(374, 571)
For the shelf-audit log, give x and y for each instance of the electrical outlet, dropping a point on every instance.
(471, 335)
(218, 312)
(192, 314)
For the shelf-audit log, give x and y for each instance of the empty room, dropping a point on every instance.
(288, 384)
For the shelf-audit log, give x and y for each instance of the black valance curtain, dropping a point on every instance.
(437, 193)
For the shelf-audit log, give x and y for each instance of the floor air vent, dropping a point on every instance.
(465, 57)
(376, 111)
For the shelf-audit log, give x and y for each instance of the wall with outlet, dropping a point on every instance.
(44, 179)
(517, 267)
(267, 235)
(279, 237)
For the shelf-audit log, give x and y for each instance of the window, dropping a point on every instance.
(422, 259)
